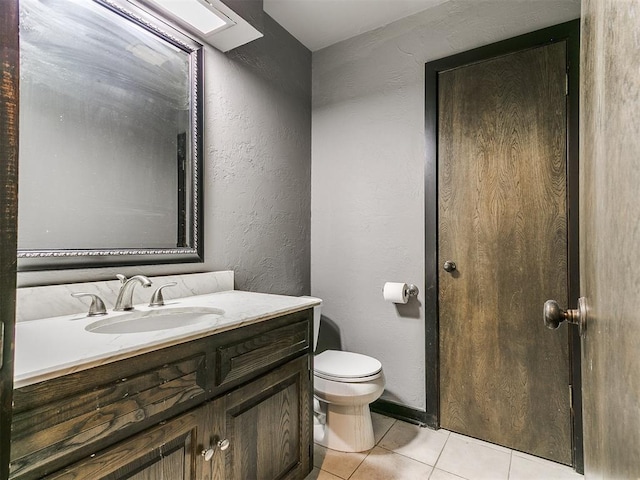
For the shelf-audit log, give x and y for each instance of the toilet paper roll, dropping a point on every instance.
(395, 292)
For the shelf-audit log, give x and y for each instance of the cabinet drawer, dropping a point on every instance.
(254, 354)
(168, 450)
(43, 436)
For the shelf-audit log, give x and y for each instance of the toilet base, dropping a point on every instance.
(348, 428)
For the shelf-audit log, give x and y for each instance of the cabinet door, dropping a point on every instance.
(268, 425)
(170, 451)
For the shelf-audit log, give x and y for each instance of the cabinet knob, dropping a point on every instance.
(221, 444)
(207, 454)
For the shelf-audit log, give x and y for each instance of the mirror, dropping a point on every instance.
(110, 119)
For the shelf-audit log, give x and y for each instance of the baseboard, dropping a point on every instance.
(400, 412)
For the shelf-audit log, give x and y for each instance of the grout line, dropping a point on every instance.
(442, 449)
(386, 433)
(397, 453)
(482, 443)
(407, 457)
(360, 464)
(377, 444)
(510, 462)
(452, 474)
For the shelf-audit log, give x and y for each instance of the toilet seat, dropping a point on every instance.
(346, 367)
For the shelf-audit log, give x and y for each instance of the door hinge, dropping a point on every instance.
(571, 396)
(566, 84)
(1, 344)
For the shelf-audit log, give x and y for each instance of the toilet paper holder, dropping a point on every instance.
(398, 292)
(412, 290)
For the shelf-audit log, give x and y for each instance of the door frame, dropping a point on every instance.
(569, 32)
(9, 104)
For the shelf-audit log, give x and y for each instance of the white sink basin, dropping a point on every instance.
(163, 318)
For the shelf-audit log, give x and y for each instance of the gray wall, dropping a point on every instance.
(368, 155)
(259, 139)
(257, 169)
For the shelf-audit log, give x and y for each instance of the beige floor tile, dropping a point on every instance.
(381, 425)
(341, 464)
(482, 442)
(528, 467)
(419, 443)
(383, 464)
(472, 460)
(406, 452)
(317, 474)
(442, 475)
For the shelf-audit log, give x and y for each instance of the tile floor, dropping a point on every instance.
(406, 452)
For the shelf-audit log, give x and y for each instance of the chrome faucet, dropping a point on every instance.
(125, 296)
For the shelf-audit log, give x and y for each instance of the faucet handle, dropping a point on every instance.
(157, 300)
(96, 308)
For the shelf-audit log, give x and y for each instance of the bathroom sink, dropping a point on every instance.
(163, 318)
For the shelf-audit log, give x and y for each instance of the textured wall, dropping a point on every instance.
(257, 169)
(259, 129)
(368, 157)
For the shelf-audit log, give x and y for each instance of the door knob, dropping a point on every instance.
(554, 315)
(449, 266)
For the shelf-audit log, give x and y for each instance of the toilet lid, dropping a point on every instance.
(337, 364)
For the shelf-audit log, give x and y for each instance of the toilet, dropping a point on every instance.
(345, 383)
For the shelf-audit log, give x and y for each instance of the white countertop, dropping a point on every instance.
(52, 347)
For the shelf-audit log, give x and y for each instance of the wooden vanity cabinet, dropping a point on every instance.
(242, 410)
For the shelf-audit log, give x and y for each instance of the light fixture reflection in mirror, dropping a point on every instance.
(196, 14)
(109, 137)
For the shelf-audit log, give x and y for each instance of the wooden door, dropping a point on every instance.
(169, 451)
(268, 425)
(9, 69)
(502, 194)
(610, 237)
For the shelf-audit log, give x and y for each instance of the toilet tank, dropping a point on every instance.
(316, 320)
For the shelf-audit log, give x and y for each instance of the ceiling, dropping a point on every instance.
(320, 23)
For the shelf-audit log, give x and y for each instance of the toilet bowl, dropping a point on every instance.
(345, 383)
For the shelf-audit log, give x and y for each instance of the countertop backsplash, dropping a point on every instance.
(33, 303)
